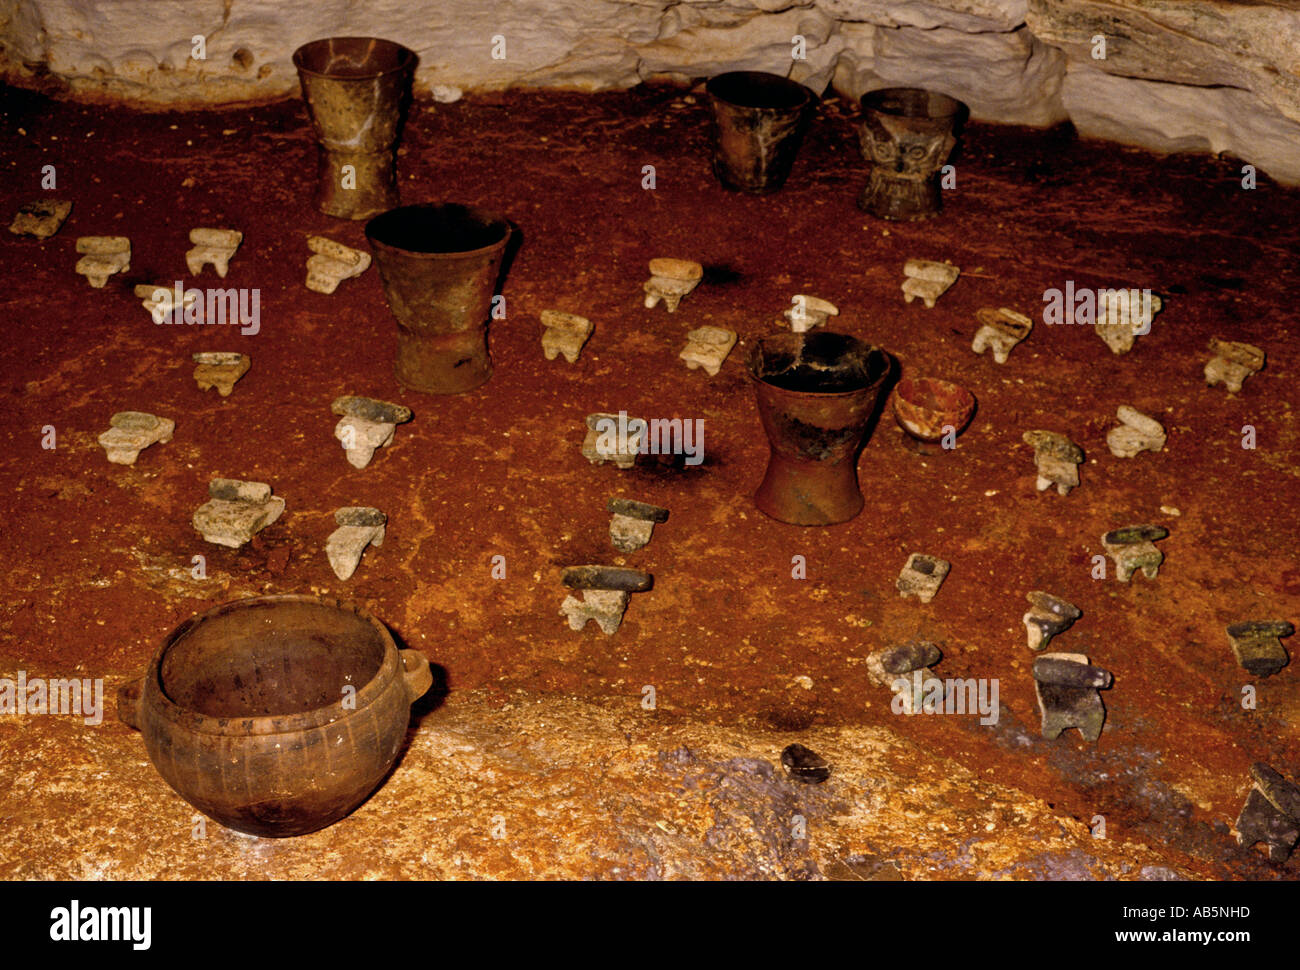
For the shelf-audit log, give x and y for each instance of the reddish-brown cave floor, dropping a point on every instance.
(97, 557)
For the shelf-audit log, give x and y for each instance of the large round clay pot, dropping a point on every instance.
(439, 264)
(357, 90)
(276, 715)
(758, 122)
(817, 394)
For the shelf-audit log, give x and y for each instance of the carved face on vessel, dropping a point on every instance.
(902, 148)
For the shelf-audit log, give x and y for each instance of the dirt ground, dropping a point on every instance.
(97, 558)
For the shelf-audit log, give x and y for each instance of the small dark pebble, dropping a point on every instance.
(911, 656)
(1261, 628)
(637, 510)
(369, 409)
(607, 577)
(360, 515)
(805, 765)
(1131, 535)
(1070, 673)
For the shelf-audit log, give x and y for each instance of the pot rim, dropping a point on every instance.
(484, 215)
(390, 668)
(903, 88)
(406, 59)
(767, 77)
(904, 388)
(872, 350)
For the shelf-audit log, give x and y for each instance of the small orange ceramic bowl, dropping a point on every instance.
(926, 406)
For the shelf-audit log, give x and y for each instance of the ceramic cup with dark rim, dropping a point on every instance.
(440, 264)
(817, 394)
(758, 122)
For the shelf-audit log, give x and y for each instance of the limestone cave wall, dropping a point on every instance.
(1171, 75)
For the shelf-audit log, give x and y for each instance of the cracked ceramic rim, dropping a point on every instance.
(876, 364)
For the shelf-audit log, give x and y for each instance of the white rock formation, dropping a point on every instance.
(1207, 43)
(1177, 118)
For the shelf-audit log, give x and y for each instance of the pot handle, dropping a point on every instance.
(416, 673)
(128, 702)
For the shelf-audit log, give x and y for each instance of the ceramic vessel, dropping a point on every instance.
(906, 135)
(440, 264)
(926, 407)
(356, 89)
(758, 122)
(817, 395)
(276, 715)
